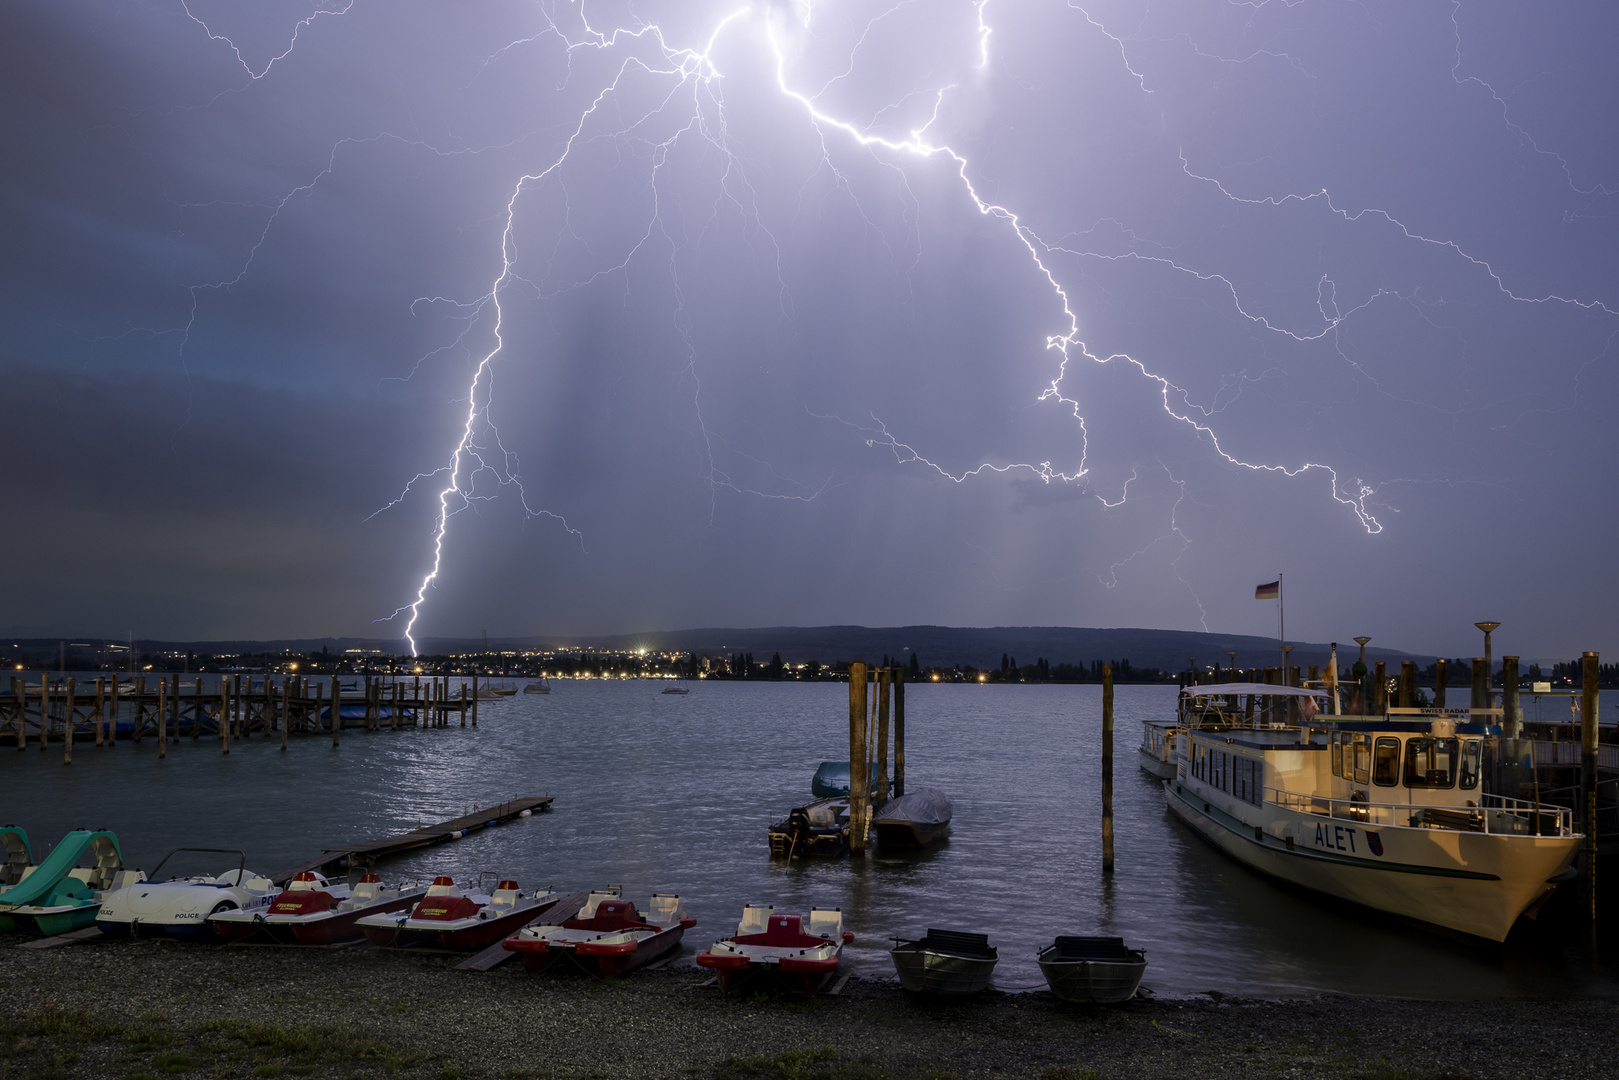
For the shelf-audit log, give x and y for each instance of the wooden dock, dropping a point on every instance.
(366, 852)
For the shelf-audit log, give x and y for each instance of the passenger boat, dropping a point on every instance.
(453, 918)
(815, 830)
(59, 894)
(1092, 969)
(314, 911)
(945, 962)
(914, 819)
(607, 936)
(180, 906)
(777, 947)
(1390, 812)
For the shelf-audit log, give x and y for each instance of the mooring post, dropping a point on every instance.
(1481, 683)
(463, 704)
(475, 702)
(337, 709)
(1511, 707)
(1439, 678)
(1380, 688)
(224, 702)
(162, 718)
(174, 699)
(20, 688)
(67, 724)
(885, 686)
(140, 707)
(1589, 671)
(44, 708)
(1107, 768)
(112, 714)
(899, 731)
(859, 785)
(1408, 683)
(101, 705)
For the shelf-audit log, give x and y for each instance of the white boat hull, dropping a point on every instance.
(1472, 882)
(1154, 765)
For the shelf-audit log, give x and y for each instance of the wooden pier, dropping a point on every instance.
(113, 709)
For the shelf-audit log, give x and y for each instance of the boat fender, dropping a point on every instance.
(458, 834)
(526, 813)
(848, 936)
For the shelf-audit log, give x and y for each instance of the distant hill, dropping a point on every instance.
(943, 646)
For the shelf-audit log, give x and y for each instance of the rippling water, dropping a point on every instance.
(672, 794)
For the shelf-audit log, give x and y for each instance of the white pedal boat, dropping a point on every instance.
(607, 936)
(314, 911)
(180, 907)
(453, 918)
(777, 946)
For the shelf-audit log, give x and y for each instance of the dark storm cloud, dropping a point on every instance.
(752, 363)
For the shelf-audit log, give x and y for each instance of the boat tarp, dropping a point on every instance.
(924, 805)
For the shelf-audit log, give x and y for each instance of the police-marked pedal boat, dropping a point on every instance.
(314, 911)
(777, 947)
(606, 936)
(179, 907)
(1386, 811)
(453, 918)
(1092, 968)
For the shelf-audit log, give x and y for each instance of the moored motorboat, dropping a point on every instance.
(606, 936)
(945, 962)
(314, 911)
(819, 829)
(541, 687)
(60, 895)
(677, 690)
(453, 918)
(777, 947)
(914, 819)
(179, 907)
(1097, 969)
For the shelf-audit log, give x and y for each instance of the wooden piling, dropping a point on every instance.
(1107, 768)
(44, 708)
(1439, 678)
(1408, 683)
(174, 703)
(162, 719)
(337, 709)
(475, 702)
(899, 731)
(1589, 670)
(1511, 707)
(67, 723)
(1481, 683)
(885, 685)
(112, 717)
(224, 704)
(20, 688)
(140, 707)
(1380, 688)
(859, 783)
(101, 705)
(463, 704)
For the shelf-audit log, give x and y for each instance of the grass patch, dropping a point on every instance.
(820, 1063)
(312, 1044)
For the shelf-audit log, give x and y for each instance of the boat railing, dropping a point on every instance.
(1495, 814)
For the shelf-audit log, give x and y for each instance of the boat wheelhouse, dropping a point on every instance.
(1391, 813)
(1159, 741)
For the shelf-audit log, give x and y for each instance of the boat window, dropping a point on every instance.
(1337, 754)
(1430, 762)
(1386, 762)
(1363, 759)
(1469, 770)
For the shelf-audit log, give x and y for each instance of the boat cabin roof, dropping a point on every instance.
(1367, 725)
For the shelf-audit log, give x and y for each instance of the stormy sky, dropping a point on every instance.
(1092, 314)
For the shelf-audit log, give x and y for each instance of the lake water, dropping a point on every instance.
(673, 794)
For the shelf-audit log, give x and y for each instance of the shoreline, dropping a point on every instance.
(153, 1008)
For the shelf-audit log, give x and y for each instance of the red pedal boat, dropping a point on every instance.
(607, 936)
(313, 911)
(777, 946)
(452, 918)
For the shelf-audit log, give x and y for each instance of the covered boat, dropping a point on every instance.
(607, 936)
(1098, 969)
(819, 829)
(180, 906)
(451, 917)
(945, 962)
(314, 911)
(915, 819)
(59, 894)
(777, 947)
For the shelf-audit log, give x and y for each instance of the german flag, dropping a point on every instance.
(1268, 592)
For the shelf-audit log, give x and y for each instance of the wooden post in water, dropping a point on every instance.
(421, 710)
(162, 718)
(899, 731)
(1380, 687)
(463, 704)
(1107, 768)
(67, 724)
(475, 701)
(1408, 683)
(337, 709)
(20, 688)
(884, 687)
(140, 706)
(112, 718)
(859, 785)
(285, 725)
(1439, 678)
(101, 705)
(174, 701)
(1589, 670)
(44, 708)
(1481, 683)
(224, 703)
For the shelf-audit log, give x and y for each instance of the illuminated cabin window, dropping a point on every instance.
(1386, 762)
(1430, 763)
(1363, 759)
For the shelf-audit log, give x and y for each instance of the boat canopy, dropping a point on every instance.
(1224, 689)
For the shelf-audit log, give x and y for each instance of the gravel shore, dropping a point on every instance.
(157, 1008)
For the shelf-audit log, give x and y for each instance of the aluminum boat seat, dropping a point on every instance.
(1091, 948)
(597, 897)
(666, 909)
(754, 919)
(505, 895)
(367, 888)
(826, 922)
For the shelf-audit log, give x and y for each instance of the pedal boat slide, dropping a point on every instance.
(607, 936)
(59, 895)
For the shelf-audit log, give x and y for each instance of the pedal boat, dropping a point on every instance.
(314, 911)
(945, 962)
(1092, 969)
(451, 918)
(59, 896)
(607, 936)
(776, 947)
(179, 907)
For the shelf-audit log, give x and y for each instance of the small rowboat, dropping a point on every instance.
(945, 962)
(915, 819)
(776, 946)
(607, 936)
(454, 919)
(313, 911)
(1092, 968)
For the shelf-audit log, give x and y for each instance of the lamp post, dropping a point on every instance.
(1489, 693)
